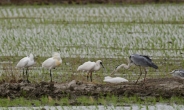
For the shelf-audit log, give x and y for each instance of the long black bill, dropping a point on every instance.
(102, 64)
(103, 67)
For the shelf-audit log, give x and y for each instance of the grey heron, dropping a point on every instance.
(138, 60)
(90, 67)
(178, 73)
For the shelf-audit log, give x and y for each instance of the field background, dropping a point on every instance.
(91, 32)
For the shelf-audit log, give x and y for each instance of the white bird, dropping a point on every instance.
(90, 67)
(115, 79)
(178, 73)
(26, 62)
(52, 62)
(138, 60)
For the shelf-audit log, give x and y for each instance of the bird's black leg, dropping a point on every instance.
(87, 76)
(145, 74)
(91, 76)
(139, 75)
(50, 76)
(23, 72)
(27, 74)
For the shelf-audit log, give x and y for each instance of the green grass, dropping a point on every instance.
(88, 100)
(19, 102)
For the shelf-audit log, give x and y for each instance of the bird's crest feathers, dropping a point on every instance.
(31, 56)
(56, 55)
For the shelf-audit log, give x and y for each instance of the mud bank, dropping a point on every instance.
(166, 87)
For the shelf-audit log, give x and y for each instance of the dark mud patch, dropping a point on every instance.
(164, 87)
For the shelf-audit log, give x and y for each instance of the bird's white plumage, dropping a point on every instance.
(90, 66)
(26, 62)
(114, 80)
(52, 62)
(49, 63)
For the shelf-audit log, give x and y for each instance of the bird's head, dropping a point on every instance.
(56, 55)
(31, 56)
(100, 62)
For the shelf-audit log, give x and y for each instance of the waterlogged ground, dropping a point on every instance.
(133, 107)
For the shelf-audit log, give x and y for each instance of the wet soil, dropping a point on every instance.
(164, 87)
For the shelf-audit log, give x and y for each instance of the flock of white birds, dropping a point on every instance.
(49, 63)
(55, 61)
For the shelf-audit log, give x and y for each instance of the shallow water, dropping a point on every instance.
(100, 107)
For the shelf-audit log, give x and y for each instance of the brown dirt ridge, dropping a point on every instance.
(165, 87)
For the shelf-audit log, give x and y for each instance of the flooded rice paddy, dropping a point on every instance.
(81, 33)
(96, 31)
(93, 31)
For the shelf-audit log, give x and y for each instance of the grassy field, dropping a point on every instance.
(81, 33)
(87, 101)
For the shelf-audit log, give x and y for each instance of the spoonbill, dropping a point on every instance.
(25, 63)
(138, 60)
(178, 73)
(115, 79)
(52, 63)
(90, 67)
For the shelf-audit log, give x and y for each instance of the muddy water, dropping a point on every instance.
(129, 107)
